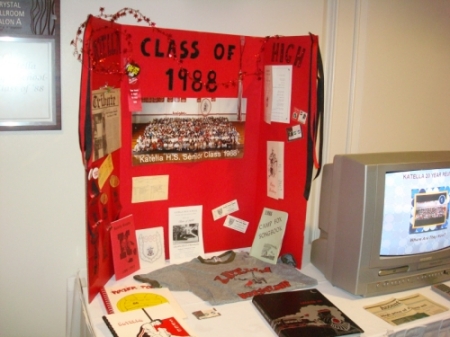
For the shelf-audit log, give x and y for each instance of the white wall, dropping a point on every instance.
(387, 76)
(42, 214)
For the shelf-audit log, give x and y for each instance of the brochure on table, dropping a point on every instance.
(191, 130)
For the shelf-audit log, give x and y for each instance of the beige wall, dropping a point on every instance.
(389, 76)
(404, 77)
(387, 80)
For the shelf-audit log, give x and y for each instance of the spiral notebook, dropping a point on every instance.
(136, 296)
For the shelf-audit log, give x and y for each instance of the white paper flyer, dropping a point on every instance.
(275, 170)
(277, 93)
(151, 247)
(185, 233)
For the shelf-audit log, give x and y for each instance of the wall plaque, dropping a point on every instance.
(30, 65)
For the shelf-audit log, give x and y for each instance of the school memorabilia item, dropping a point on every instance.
(269, 235)
(304, 313)
(236, 224)
(159, 320)
(277, 93)
(224, 210)
(136, 296)
(206, 313)
(229, 277)
(406, 309)
(151, 247)
(189, 111)
(185, 233)
(275, 170)
(124, 247)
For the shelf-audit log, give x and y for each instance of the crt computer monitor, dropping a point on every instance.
(383, 221)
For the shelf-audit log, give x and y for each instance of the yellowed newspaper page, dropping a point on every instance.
(422, 304)
(392, 311)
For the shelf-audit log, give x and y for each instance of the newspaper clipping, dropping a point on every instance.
(406, 309)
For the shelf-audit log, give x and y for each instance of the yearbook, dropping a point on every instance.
(304, 313)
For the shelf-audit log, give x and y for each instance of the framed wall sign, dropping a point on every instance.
(30, 86)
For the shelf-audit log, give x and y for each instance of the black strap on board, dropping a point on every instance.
(315, 127)
(88, 121)
(320, 109)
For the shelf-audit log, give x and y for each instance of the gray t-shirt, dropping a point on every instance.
(228, 278)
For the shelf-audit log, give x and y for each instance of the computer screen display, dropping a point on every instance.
(415, 213)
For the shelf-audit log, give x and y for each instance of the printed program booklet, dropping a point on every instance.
(124, 247)
(160, 320)
(269, 235)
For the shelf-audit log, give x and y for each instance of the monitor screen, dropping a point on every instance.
(415, 213)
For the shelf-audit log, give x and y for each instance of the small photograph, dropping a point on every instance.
(273, 164)
(206, 313)
(430, 211)
(269, 251)
(187, 130)
(185, 233)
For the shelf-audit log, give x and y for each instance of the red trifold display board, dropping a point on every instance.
(149, 64)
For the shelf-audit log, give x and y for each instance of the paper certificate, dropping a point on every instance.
(185, 233)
